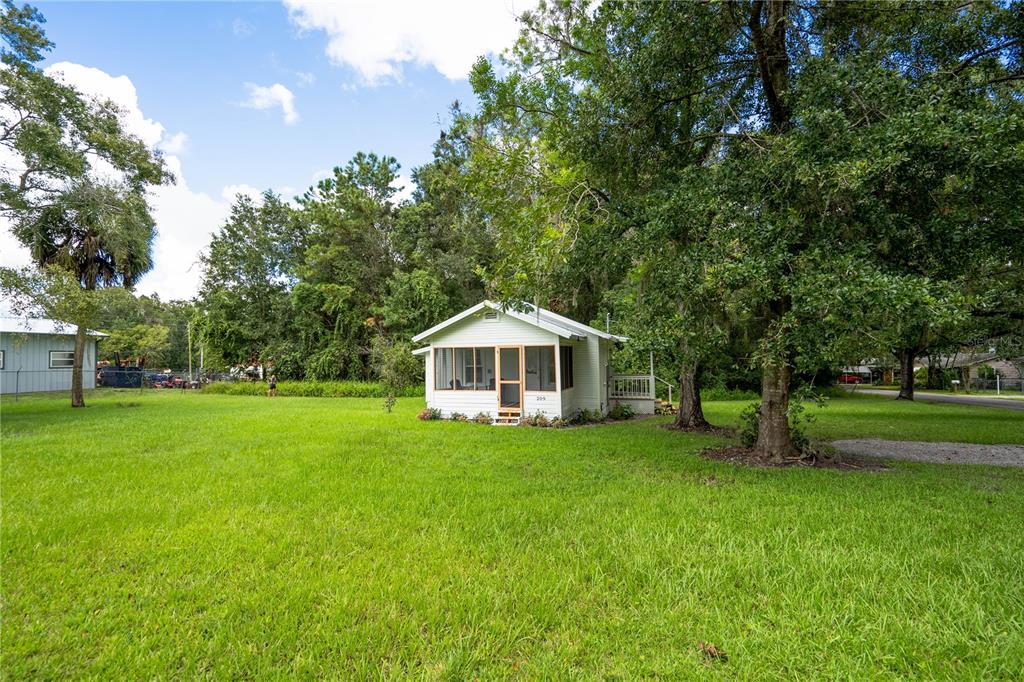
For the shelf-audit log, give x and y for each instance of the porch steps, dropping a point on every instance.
(508, 418)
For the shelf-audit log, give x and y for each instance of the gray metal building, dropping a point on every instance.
(36, 355)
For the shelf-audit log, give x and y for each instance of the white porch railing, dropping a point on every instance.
(632, 386)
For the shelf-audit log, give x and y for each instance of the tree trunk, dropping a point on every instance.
(690, 416)
(774, 440)
(77, 398)
(906, 356)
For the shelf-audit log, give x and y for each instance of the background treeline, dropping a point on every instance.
(334, 284)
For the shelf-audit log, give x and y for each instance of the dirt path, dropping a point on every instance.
(941, 453)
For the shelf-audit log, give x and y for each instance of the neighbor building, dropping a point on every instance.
(510, 362)
(37, 355)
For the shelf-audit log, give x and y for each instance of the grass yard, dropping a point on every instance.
(182, 535)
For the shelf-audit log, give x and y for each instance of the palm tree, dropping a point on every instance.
(99, 233)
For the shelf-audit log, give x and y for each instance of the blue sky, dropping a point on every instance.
(189, 63)
(250, 96)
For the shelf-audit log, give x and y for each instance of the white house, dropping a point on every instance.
(37, 355)
(512, 362)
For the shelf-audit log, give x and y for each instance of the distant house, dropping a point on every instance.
(510, 362)
(37, 355)
(973, 362)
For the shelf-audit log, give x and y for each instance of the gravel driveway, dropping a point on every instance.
(942, 453)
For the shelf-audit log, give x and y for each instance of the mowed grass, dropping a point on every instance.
(866, 416)
(183, 535)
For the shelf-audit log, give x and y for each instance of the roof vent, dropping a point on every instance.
(491, 316)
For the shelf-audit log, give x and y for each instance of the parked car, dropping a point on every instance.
(851, 379)
(119, 377)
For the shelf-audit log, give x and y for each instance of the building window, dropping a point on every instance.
(1, 359)
(62, 359)
(565, 357)
(540, 368)
(464, 369)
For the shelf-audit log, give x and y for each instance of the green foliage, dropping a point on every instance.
(750, 423)
(483, 418)
(621, 411)
(458, 417)
(312, 389)
(429, 414)
(722, 393)
(147, 343)
(581, 417)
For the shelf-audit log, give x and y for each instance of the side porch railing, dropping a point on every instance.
(637, 386)
(632, 386)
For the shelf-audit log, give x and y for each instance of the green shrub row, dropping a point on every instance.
(722, 393)
(313, 389)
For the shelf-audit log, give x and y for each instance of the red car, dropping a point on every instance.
(851, 379)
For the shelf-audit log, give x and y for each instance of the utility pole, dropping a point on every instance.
(190, 352)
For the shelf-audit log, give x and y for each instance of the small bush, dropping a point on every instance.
(587, 417)
(536, 419)
(429, 414)
(750, 422)
(483, 418)
(621, 411)
(314, 389)
(458, 417)
(558, 423)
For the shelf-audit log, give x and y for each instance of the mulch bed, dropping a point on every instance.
(708, 431)
(747, 457)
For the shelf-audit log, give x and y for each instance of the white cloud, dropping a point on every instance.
(231, 191)
(174, 144)
(405, 187)
(120, 89)
(304, 78)
(270, 96)
(242, 28)
(184, 218)
(376, 38)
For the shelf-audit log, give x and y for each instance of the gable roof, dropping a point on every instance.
(37, 325)
(539, 317)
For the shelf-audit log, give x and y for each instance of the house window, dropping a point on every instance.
(464, 369)
(1, 359)
(484, 369)
(62, 359)
(540, 368)
(565, 357)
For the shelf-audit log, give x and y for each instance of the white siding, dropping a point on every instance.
(477, 331)
(640, 406)
(27, 363)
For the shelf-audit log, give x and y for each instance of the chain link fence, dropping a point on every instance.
(19, 382)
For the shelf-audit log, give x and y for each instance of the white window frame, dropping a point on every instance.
(71, 359)
(3, 357)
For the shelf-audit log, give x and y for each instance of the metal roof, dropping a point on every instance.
(540, 317)
(29, 325)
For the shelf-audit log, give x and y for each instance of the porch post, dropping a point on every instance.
(653, 392)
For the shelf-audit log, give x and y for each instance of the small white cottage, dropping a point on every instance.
(512, 362)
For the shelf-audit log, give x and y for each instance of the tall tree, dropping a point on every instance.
(246, 276)
(848, 133)
(98, 231)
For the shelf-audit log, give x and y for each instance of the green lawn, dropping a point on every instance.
(180, 535)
